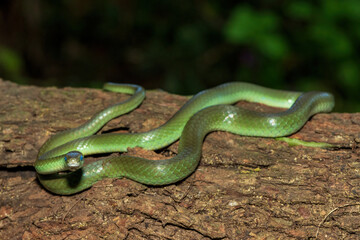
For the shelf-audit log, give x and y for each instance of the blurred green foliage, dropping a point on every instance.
(184, 47)
(11, 63)
(259, 30)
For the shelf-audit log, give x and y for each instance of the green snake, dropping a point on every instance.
(60, 167)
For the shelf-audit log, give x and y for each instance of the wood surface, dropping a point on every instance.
(244, 187)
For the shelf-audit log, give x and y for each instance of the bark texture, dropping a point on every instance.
(244, 187)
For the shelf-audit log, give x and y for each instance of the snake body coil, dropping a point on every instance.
(59, 162)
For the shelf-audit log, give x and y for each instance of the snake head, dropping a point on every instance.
(74, 160)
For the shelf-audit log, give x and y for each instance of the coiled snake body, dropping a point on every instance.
(60, 160)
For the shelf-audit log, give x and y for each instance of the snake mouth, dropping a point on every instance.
(73, 164)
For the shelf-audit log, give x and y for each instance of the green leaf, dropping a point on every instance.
(273, 46)
(333, 41)
(10, 60)
(301, 10)
(349, 74)
(245, 25)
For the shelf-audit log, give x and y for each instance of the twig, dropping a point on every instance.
(331, 212)
(67, 212)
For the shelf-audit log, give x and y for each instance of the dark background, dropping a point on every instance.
(184, 46)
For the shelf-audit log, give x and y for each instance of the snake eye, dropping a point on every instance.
(74, 160)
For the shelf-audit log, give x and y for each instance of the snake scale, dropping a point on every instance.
(60, 167)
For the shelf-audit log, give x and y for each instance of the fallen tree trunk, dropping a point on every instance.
(245, 187)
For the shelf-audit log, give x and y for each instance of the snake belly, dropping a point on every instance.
(207, 111)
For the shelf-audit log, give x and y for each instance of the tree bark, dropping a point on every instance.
(244, 187)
